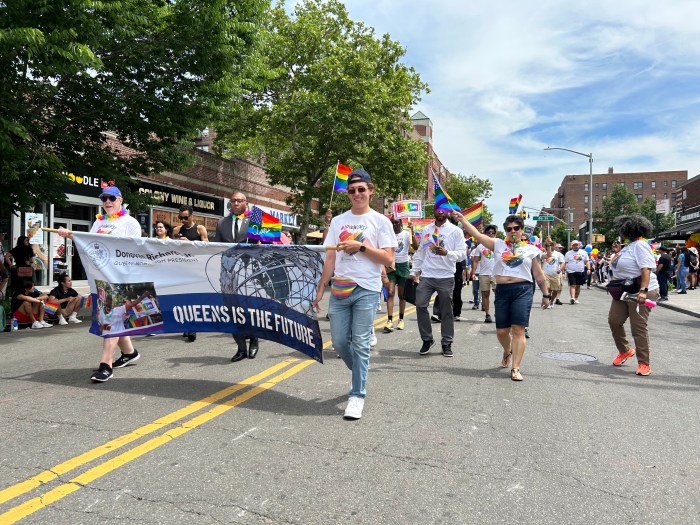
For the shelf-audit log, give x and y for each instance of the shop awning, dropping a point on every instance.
(679, 232)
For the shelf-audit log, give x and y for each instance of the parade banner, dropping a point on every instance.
(410, 209)
(146, 286)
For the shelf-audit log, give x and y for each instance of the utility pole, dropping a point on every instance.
(568, 228)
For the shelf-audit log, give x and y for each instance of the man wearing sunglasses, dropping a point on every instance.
(234, 228)
(189, 230)
(114, 221)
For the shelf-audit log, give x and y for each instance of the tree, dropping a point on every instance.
(331, 92)
(558, 233)
(151, 72)
(467, 190)
(660, 221)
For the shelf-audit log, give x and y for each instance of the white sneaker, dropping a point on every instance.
(373, 338)
(74, 319)
(36, 325)
(550, 307)
(572, 301)
(575, 301)
(62, 320)
(46, 325)
(459, 318)
(379, 307)
(354, 408)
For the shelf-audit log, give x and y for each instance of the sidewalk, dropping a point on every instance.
(688, 304)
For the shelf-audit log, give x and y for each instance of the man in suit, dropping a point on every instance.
(234, 228)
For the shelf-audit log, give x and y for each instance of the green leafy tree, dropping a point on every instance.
(660, 221)
(331, 92)
(558, 233)
(151, 72)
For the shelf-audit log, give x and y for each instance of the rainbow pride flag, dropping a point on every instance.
(86, 301)
(443, 202)
(514, 203)
(341, 178)
(475, 214)
(51, 308)
(263, 227)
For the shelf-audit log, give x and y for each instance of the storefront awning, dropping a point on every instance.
(682, 231)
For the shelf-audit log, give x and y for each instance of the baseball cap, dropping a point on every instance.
(111, 190)
(359, 175)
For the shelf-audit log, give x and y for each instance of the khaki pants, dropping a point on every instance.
(620, 311)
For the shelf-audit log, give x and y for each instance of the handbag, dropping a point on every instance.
(409, 291)
(631, 286)
(25, 271)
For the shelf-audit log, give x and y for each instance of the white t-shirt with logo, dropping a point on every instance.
(576, 260)
(486, 260)
(114, 319)
(551, 264)
(515, 262)
(632, 259)
(372, 229)
(404, 241)
(124, 226)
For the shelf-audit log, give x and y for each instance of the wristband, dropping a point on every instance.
(547, 295)
(645, 290)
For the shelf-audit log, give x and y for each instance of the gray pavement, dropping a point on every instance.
(442, 440)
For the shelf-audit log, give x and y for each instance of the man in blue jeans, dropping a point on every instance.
(364, 242)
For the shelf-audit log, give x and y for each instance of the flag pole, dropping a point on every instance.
(330, 203)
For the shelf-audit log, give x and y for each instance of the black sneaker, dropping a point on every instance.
(475, 307)
(434, 318)
(558, 302)
(102, 374)
(427, 345)
(527, 334)
(191, 337)
(447, 350)
(488, 319)
(126, 359)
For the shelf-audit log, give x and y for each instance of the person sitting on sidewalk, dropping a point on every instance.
(27, 306)
(67, 298)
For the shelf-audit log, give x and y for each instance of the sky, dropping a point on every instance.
(618, 79)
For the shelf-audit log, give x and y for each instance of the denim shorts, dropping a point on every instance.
(513, 302)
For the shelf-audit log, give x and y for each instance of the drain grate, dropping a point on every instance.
(569, 356)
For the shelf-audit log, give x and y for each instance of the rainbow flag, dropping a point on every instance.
(443, 201)
(86, 301)
(514, 203)
(341, 178)
(263, 227)
(51, 308)
(475, 214)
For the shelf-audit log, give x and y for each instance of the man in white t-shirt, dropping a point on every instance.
(397, 278)
(114, 221)
(442, 245)
(553, 266)
(364, 241)
(577, 264)
(483, 257)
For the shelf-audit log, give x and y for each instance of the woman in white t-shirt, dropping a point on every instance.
(516, 264)
(114, 221)
(632, 270)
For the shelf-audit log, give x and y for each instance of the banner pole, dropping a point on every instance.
(330, 203)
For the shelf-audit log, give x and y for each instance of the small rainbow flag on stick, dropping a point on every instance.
(51, 308)
(263, 227)
(86, 301)
(514, 203)
(475, 214)
(443, 202)
(340, 183)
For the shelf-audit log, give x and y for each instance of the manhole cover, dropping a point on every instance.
(569, 356)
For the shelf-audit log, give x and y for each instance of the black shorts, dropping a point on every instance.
(576, 278)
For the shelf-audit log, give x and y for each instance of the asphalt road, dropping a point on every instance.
(185, 436)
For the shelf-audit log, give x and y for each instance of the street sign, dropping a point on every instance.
(544, 218)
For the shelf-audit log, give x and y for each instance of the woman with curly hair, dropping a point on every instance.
(633, 272)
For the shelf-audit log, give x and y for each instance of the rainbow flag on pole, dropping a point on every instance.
(443, 201)
(51, 308)
(475, 214)
(341, 178)
(263, 227)
(514, 203)
(86, 301)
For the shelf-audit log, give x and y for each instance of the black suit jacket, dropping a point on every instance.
(224, 230)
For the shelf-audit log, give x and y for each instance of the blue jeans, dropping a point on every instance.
(351, 327)
(682, 274)
(475, 289)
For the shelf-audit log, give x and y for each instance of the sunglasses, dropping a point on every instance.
(361, 189)
(183, 218)
(106, 198)
(512, 228)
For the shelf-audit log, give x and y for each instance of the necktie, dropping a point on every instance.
(235, 229)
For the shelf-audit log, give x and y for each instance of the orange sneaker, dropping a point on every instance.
(643, 369)
(623, 356)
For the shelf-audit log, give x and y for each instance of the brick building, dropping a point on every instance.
(687, 208)
(423, 131)
(574, 191)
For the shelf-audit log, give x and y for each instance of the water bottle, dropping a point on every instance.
(15, 324)
(632, 298)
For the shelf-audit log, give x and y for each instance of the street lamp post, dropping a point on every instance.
(590, 188)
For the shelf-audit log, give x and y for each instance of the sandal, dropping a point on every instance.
(515, 374)
(506, 359)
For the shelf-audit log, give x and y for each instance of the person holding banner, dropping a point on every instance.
(115, 221)
(364, 241)
(234, 228)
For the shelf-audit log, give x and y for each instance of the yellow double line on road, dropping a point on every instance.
(21, 511)
(25, 509)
